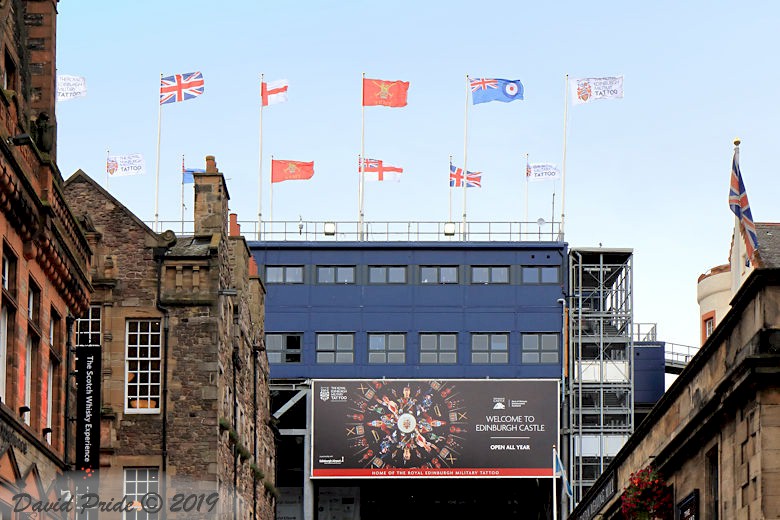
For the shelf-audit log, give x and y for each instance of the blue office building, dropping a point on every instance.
(445, 310)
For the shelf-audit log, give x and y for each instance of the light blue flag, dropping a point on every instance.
(560, 472)
(187, 176)
(484, 90)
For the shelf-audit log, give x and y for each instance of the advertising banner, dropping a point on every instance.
(434, 428)
(88, 373)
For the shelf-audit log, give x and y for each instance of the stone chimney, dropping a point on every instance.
(211, 200)
(40, 20)
(235, 227)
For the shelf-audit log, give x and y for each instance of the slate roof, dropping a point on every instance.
(769, 243)
(191, 246)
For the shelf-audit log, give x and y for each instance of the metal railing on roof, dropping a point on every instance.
(386, 231)
(644, 332)
(678, 355)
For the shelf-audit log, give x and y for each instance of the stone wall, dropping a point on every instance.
(724, 408)
(214, 316)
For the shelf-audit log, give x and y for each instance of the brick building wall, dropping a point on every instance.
(210, 313)
(45, 260)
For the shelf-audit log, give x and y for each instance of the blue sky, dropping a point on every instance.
(648, 172)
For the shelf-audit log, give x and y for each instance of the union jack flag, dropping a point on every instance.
(739, 204)
(180, 87)
(483, 84)
(472, 180)
(371, 165)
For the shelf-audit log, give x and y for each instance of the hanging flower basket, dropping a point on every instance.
(647, 496)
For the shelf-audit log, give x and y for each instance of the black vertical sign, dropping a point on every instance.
(88, 375)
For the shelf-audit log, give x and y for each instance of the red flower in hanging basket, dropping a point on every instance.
(647, 496)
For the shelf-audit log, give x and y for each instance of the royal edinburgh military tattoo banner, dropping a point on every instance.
(434, 428)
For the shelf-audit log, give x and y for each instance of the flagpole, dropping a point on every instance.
(157, 173)
(108, 153)
(362, 185)
(450, 219)
(182, 194)
(260, 167)
(554, 490)
(525, 218)
(736, 277)
(271, 207)
(563, 166)
(465, 153)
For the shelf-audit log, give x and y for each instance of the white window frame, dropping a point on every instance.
(135, 488)
(4, 316)
(28, 360)
(6, 273)
(709, 327)
(90, 326)
(50, 396)
(150, 359)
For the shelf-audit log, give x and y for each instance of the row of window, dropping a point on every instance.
(36, 367)
(434, 348)
(143, 358)
(426, 274)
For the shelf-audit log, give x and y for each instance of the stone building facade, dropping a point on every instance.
(185, 402)
(45, 263)
(715, 434)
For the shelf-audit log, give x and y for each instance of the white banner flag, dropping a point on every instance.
(542, 172)
(69, 87)
(585, 90)
(122, 165)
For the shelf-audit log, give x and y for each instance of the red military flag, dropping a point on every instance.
(291, 170)
(384, 93)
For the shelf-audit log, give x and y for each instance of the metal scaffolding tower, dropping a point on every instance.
(600, 367)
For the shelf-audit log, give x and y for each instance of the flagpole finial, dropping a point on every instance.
(737, 140)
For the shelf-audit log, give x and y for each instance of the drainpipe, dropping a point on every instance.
(159, 254)
(69, 321)
(235, 427)
(254, 438)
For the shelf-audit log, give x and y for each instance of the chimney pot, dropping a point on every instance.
(234, 228)
(211, 164)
